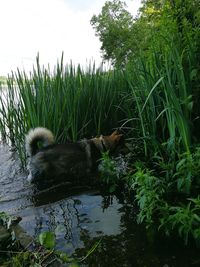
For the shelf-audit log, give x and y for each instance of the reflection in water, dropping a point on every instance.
(80, 216)
(71, 217)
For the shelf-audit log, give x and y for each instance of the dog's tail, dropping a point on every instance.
(36, 135)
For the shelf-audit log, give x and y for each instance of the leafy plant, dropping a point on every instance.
(45, 254)
(185, 219)
(149, 192)
(112, 170)
(187, 171)
(183, 173)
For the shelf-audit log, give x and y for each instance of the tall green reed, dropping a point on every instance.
(163, 100)
(72, 102)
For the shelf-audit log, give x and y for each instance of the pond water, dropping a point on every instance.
(80, 216)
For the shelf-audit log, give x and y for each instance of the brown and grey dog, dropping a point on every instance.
(60, 160)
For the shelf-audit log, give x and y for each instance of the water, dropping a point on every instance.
(80, 216)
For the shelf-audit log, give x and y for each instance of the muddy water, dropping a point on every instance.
(80, 216)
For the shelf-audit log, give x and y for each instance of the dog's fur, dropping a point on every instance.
(61, 160)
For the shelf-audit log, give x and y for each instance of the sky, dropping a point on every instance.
(49, 27)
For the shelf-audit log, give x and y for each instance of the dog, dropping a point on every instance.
(64, 160)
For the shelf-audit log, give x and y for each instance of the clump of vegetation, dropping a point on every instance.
(112, 170)
(149, 191)
(183, 219)
(166, 198)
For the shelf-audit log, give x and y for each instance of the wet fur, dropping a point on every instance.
(64, 160)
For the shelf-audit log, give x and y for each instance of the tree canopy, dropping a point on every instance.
(124, 37)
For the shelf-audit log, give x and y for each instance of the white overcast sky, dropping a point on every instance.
(49, 27)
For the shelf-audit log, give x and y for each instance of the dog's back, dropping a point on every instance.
(59, 161)
(64, 160)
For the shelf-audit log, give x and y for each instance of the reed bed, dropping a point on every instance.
(149, 100)
(163, 97)
(71, 102)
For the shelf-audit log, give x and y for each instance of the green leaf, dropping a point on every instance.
(63, 256)
(112, 188)
(47, 239)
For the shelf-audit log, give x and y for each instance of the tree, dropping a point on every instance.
(123, 37)
(113, 27)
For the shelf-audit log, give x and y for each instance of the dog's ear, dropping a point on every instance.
(111, 141)
(116, 136)
(116, 133)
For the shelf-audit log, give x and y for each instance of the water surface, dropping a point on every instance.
(80, 216)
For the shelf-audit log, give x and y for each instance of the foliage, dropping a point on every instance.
(163, 100)
(71, 102)
(117, 29)
(159, 202)
(184, 173)
(113, 27)
(187, 171)
(149, 192)
(165, 83)
(161, 42)
(167, 196)
(112, 170)
(43, 255)
(185, 219)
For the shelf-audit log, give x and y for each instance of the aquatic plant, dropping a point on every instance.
(71, 102)
(112, 170)
(163, 99)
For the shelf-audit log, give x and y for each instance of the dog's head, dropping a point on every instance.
(108, 142)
